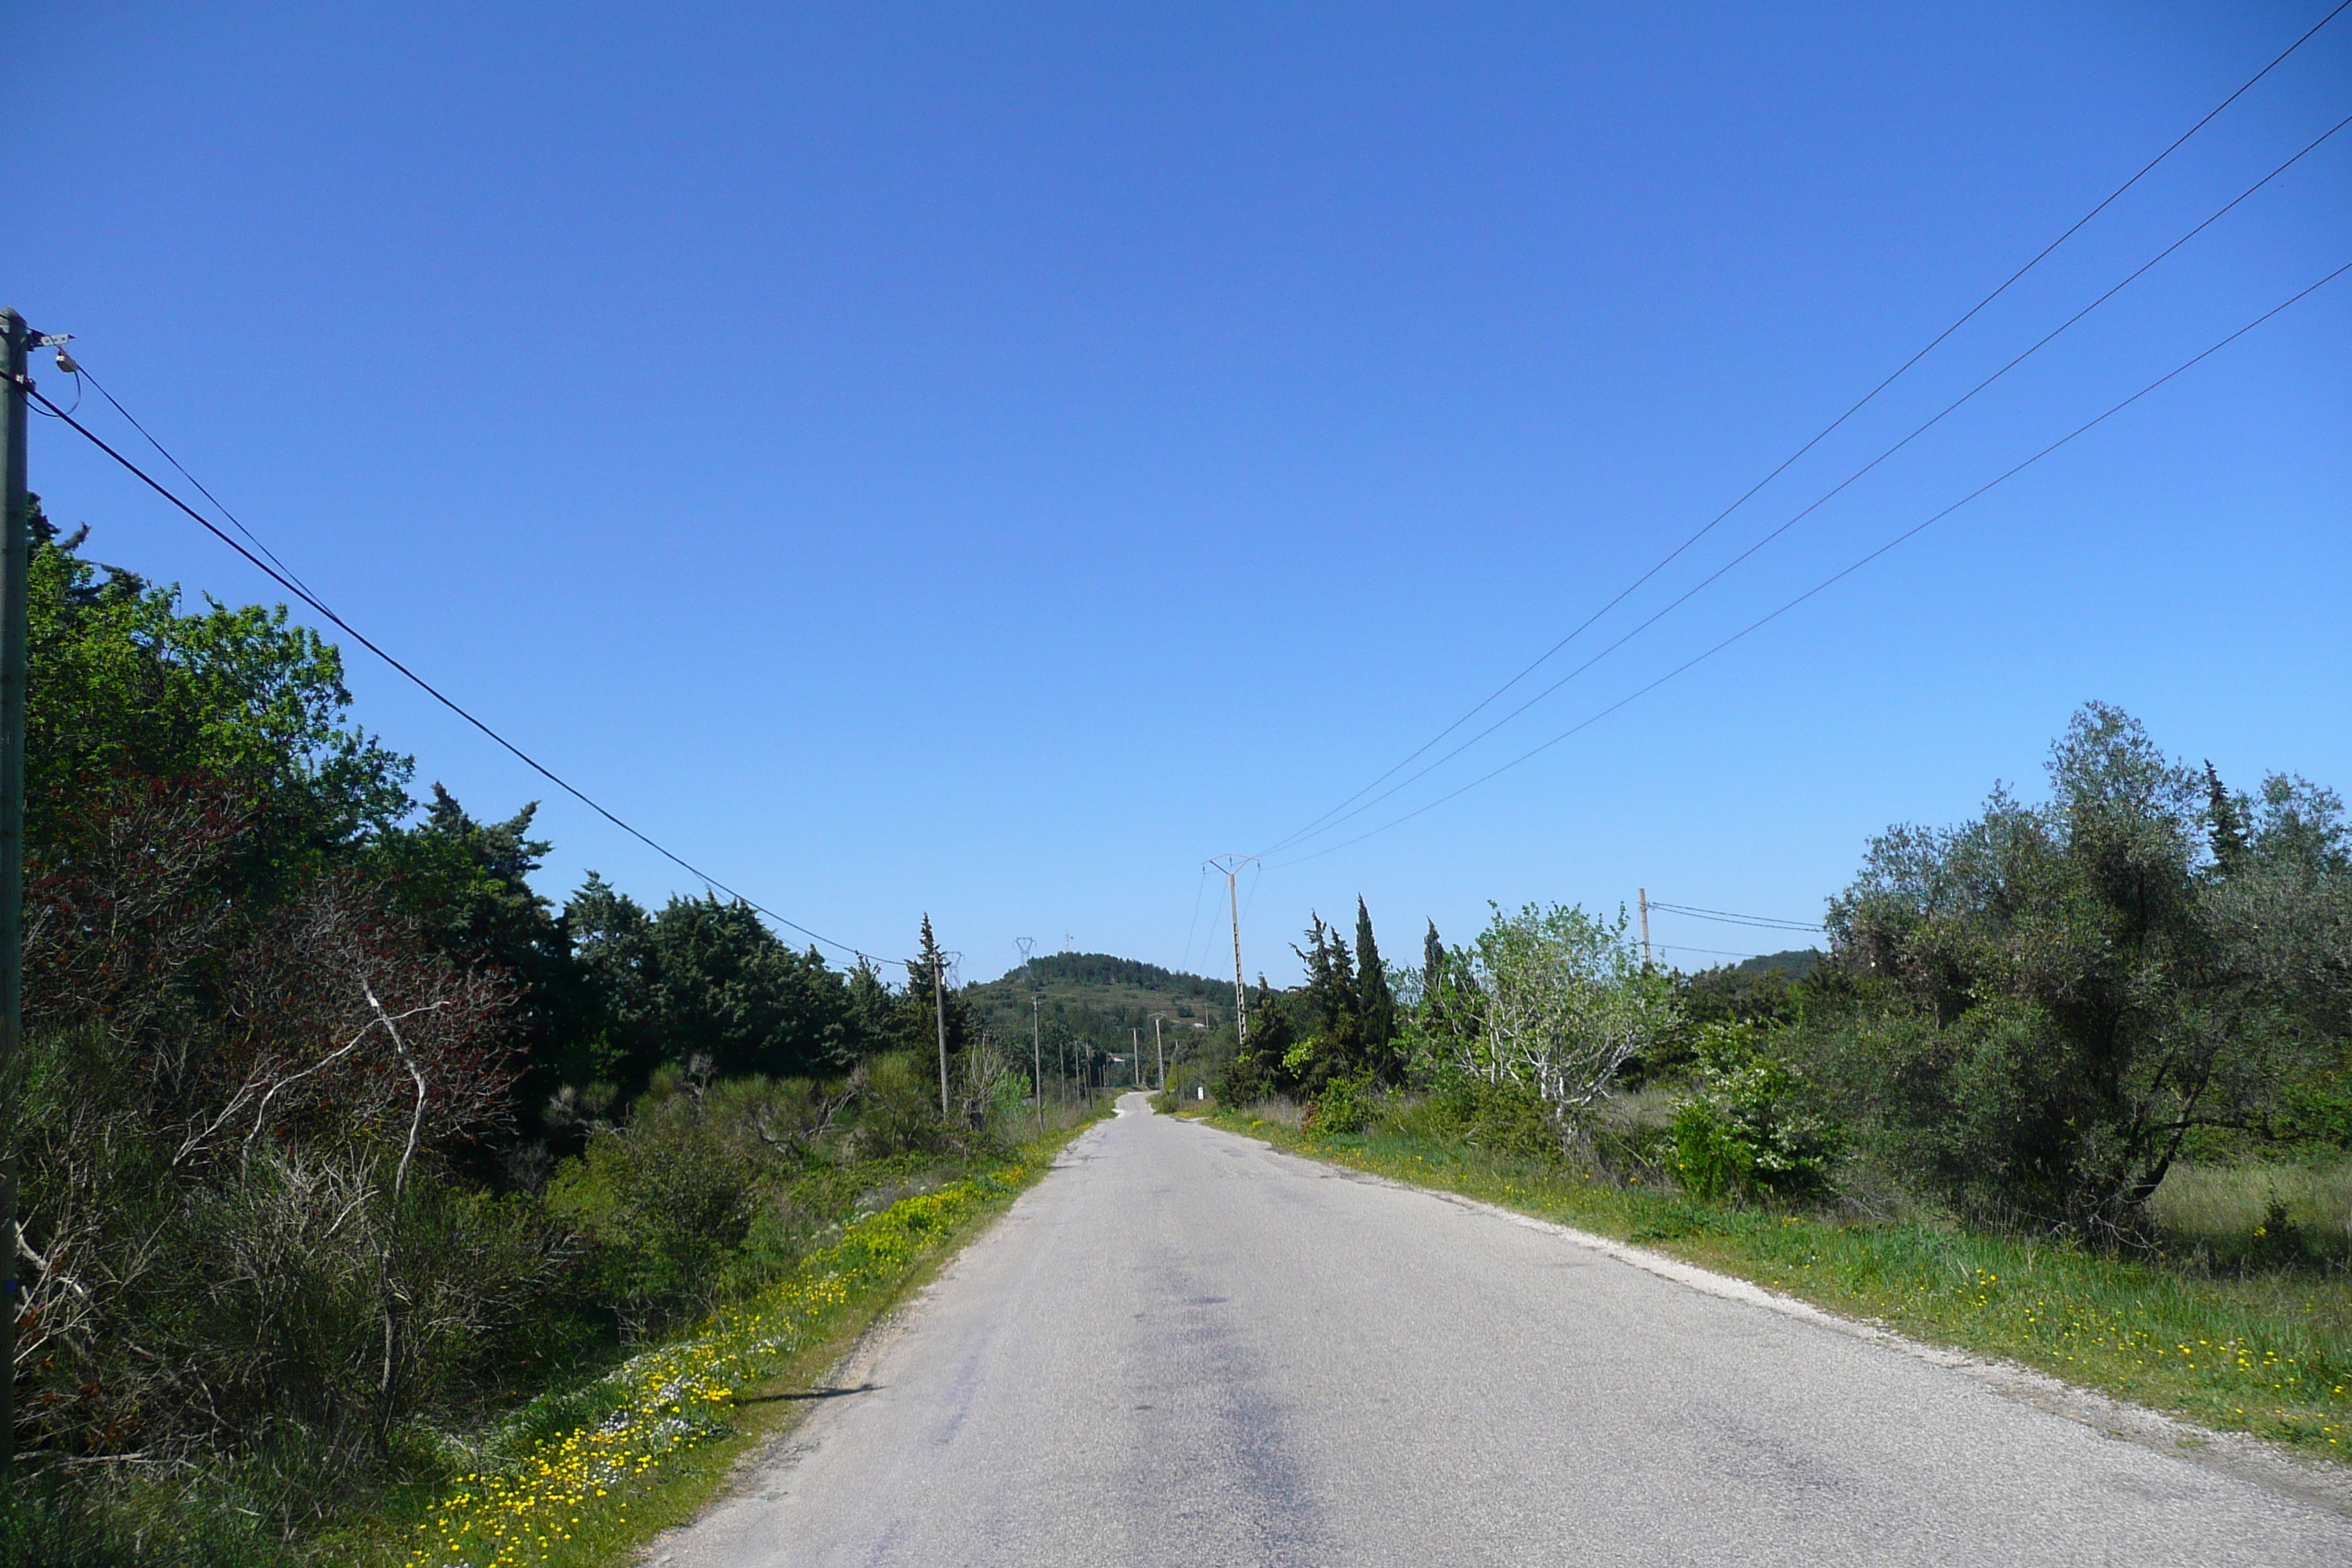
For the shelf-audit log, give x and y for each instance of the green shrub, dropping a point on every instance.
(897, 1107)
(664, 1205)
(1344, 1106)
(1748, 1130)
(1502, 1118)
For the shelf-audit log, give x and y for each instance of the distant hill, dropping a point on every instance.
(1795, 964)
(1100, 970)
(1101, 1002)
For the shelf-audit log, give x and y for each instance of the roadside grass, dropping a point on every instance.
(2267, 1351)
(2228, 1212)
(585, 1478)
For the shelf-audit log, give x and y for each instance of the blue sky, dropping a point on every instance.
(982, 461)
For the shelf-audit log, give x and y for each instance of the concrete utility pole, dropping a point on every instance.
(16, 553)
(1645, 927)
(1135, 1058)
(1161, 1051)
(1231, 865)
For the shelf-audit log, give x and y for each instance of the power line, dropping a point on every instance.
(1200, 890)
(1826, 430)
(1726, 917)
(1711, 952)
(1816, 504)
(286, 581)
(81, 372)
(1834, 577)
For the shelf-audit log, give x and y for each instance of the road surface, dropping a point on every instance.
(1184, 1348)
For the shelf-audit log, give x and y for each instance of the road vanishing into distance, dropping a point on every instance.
(1182, 1347)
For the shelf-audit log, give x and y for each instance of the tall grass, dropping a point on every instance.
(2259, 1211)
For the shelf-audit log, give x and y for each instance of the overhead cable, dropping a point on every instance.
(1835, 577)
(1724, 917)
(1826, 430)
(1816, 504)
(81, 372)
(286, 581)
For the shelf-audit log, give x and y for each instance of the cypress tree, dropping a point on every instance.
(1326, 1010)
(2225, 819)
(1432, 975)
(1375, 1002)
(916, 1023)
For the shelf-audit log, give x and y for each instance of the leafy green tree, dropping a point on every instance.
(612, 945)
(730, 991)
(1736, 994)
(1551, 1002)
(2052, 999)
(871, 1007)
(1258, 1069)
(706, 978)
(1430, 1014)
(127, 684)
(2225, 818)
(1326, 1014)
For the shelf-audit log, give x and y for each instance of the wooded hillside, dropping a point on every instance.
(1100, 1003)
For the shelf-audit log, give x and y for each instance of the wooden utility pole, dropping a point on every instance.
(1645, 927)
(1135, 1058)
(1036, 1045)
(15, 554)
(1037, 1063)
(1231, 865)
(940, 1012)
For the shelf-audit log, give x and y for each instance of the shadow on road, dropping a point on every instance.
(809, 1394)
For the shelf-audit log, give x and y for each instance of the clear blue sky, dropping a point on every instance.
(984, 461)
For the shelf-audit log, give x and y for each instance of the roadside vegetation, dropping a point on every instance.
(586, 1477)
(366, 1188)
(2070, 1086)
(340, 1145)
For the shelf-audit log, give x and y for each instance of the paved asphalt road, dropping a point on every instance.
(1184, 1348)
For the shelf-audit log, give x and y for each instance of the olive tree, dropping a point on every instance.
(1550, 1000)
(2053, 998)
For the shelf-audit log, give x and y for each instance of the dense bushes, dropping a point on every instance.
(1502, 1118)
(1344, 1106)
(2026, 1021)
(1749, 1128)
(334, 1133)
(710, 1188)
